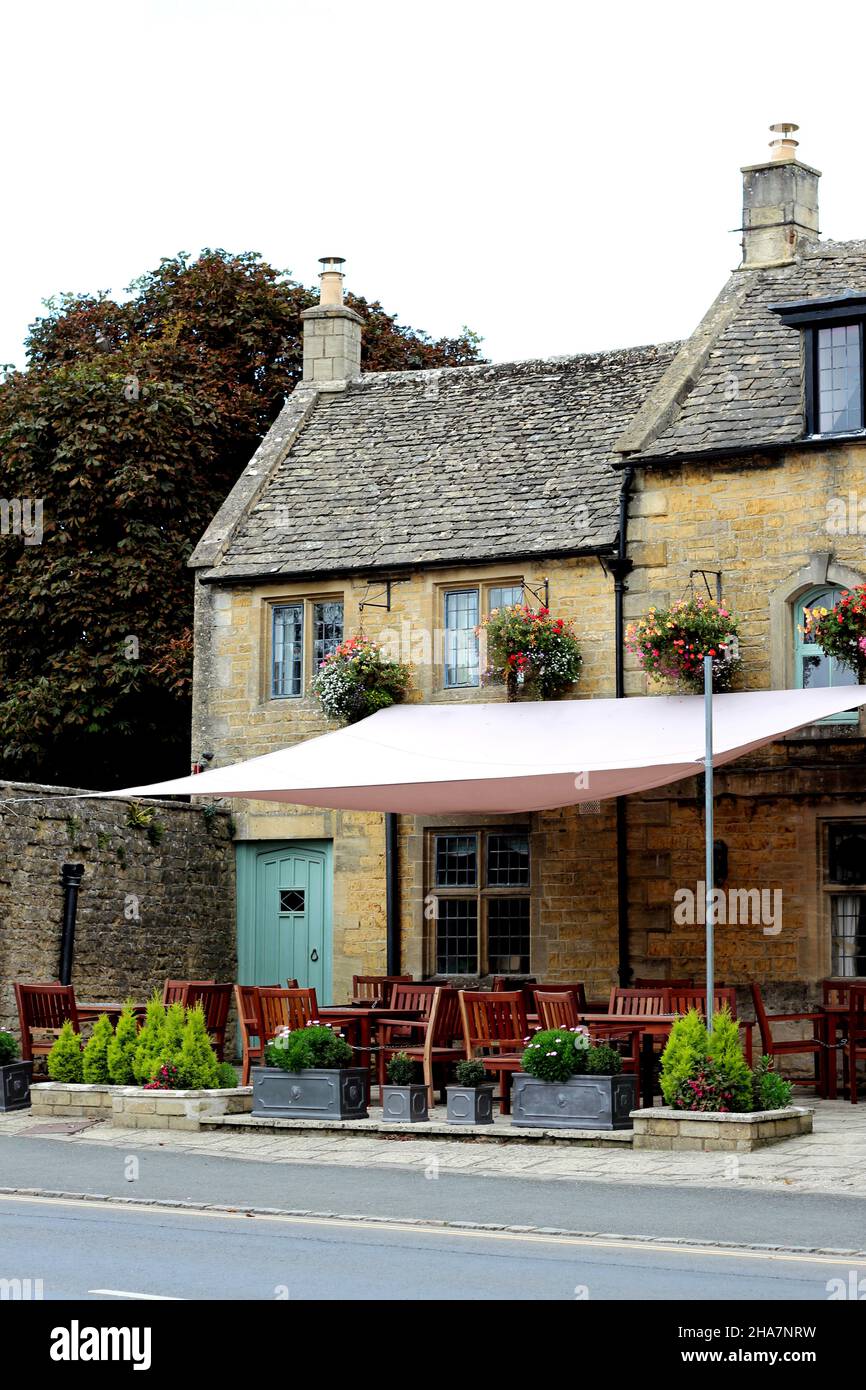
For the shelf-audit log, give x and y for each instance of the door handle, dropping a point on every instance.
(314, 955)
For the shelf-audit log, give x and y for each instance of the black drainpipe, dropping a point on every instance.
(620, 567)
(70, 881)
(392, 894)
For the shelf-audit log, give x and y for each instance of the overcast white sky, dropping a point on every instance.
(562, 177)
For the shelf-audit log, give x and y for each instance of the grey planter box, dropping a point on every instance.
(582, 1102)
(406, 1103)
(470, 1105)
(15, 1085)
(315, 1094)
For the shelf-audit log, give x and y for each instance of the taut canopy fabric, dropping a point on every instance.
(506, 758)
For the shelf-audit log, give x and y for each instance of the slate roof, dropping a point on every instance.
(460, 464)
(743, 390)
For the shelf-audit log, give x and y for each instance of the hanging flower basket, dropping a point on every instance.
(671, 643)
(357, 680)
(531, 650)
(840, 632)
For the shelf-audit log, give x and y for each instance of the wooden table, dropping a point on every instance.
(88, 1012)
(367, 1017)
(642, 1029)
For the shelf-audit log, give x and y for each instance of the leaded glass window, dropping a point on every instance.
(461, 638)
(479, 884)
(840, 379)
(327, 630)
(288, 650)
(845, 886)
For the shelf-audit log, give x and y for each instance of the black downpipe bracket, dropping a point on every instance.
(392, 894)
(70, 881)
(621, 567)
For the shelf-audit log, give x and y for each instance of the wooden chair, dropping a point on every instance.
(791, 1047)
(640, 1001)
(174, 991)
(44, 1009)
(433, 1041)
(290, 984)
(556, 1008)
(286, 1008)
(373, 989)
(835, 993)
(215, 1000)
(575, 988)
(682, 1000)
(251, 1028)
(494, 1025)
(855, 1043)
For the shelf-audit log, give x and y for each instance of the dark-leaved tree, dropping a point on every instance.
(120, 439)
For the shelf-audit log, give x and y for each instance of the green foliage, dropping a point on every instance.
(709, 1088)
(172, 1034)
(603, 1060)
(769, 1090)
(402, 1070)
(685, 1052)
(542, 650)
(553, 1054)
(471, 1073)
(358, 679)
(227, 1077)
(95, 1069)
(197, 1064)
(132, 423)
(725, 1050)
(314, 1046)
(149, 1047)
(670, 643)
(120, 1053)
(8, 1048)
(65, 1061)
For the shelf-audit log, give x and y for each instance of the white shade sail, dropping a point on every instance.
(507, 758)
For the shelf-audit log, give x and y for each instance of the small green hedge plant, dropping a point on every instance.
(65, 1061)
(148, 1048)
(471, 1073)
(402, 1070)
(317, 1045)
(726, 1052)
(684, 1053)
(769, 1090)
(703, 1070)
(603, 1060)
(120, 1053)
(8, 1049)
(197, 1063)
(94, 1062)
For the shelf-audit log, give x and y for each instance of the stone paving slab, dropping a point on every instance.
(832, 1159)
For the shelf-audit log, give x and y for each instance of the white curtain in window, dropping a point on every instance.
(847, 940)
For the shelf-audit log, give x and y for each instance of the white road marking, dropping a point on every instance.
(126, 1293)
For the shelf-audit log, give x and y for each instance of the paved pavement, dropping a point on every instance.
(132, 1253)
(831, 1160)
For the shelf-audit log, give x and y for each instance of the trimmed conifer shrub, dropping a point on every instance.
(197, 1066)
(65, 1062)
(120, 1054)
(94, 1062)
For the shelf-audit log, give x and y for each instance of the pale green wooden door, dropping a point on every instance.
(284, 914)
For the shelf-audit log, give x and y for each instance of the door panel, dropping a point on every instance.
(284, 914)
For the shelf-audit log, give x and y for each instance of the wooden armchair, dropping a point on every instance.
(251, 1028)
(855, 1043)
(494, 1026)
(640, 1001)
(214, 1000)
(375, 989)
(433, 1041)
(286, 1008)
(174, 991)
(791, 1047)
(44, 1009)
(556, 1008)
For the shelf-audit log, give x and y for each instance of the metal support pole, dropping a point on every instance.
(708, 831)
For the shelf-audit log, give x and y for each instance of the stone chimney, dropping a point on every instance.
(780, 203)
(332, 332)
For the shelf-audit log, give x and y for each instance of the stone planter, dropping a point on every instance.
(406, 1103)
(318, 1093)
(15, 1085)
(581, 1102)
(134, 1107)
(711, 1131)
(470, 1105)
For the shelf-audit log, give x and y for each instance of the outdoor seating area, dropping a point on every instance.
(438, 1025)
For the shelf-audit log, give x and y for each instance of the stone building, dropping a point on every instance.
(406, 505)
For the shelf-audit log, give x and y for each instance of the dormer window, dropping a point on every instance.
(833, 354)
